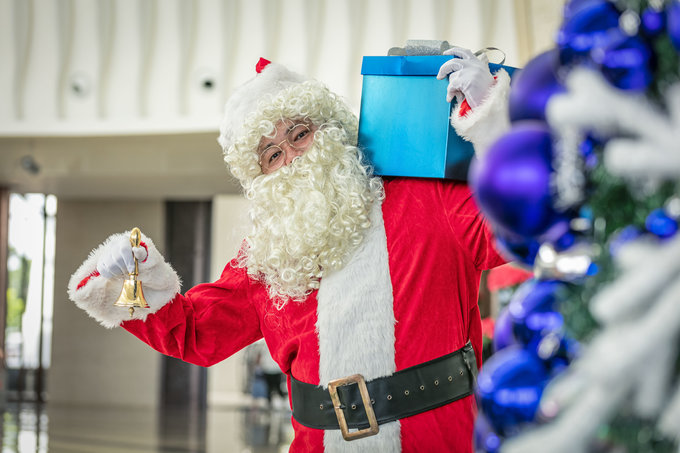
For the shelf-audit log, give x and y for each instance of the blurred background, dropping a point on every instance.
(109, 120)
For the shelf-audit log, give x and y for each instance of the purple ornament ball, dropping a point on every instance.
(621, 237)
(502, 332)
(509, 389)
(512, 182)
(516, 248)
(533, 86)
(653, 22)
(533, 311)
(673, 23)
(486, 439)
(661, 224)
(586, 27)
(572, 7)
(626, 62)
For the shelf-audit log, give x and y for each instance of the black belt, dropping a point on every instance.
(407, 392)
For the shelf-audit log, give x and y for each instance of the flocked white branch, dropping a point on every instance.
(628, 360)
(631, 359)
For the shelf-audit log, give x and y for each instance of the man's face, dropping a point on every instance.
(308, 213)
(291, 139)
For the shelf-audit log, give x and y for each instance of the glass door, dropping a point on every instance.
(30, 283)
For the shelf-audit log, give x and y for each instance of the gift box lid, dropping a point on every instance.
(403, 65)
(412, 65)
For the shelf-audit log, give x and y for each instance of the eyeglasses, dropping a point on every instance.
(299, 137)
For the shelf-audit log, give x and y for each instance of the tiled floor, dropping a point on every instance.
(32, 428)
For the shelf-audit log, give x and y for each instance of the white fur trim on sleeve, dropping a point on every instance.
(160, 284)
(484, 124)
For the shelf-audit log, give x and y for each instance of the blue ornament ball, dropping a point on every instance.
(486, 439)
(509, 389)
(660, 224)
(622, 237)
(572, 7)
(626, 62)
(673, 23)
(587, 149)
(588, 26)
(533, 86)
(653, 22)
(502, 332)
(533, 311)
(559, 361)
(512, 182)
(517, 248)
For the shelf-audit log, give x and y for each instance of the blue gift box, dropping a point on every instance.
(404, 126)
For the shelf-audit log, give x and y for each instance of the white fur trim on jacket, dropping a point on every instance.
(160, 284)
(355, 324)
(484, 124)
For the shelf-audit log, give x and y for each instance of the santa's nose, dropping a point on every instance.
(292, 153)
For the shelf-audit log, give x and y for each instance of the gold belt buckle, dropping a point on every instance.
(358, 379)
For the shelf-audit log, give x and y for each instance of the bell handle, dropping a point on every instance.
(135, 240)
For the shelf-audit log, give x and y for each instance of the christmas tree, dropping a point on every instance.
(585, 189)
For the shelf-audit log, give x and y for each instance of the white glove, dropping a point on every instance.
(114, 260)
(468, 75)
(117, 259)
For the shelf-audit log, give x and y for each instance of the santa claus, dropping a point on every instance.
(364, 289)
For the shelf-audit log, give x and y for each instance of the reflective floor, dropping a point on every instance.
(30, 427)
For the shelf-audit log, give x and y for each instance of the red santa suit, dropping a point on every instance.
(408, 296)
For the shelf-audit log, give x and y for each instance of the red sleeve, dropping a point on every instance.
(506, 276)
(469, 226)
(206, 325)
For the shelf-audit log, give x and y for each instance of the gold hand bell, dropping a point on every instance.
(132, 295)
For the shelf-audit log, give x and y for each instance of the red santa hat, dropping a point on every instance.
(275, 93)
(253, 96)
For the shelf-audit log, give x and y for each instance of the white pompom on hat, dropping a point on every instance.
(250, 97)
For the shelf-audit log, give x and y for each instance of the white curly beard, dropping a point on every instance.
(309, 216)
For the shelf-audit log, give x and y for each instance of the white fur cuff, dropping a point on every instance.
(160, 284)
(484, 124)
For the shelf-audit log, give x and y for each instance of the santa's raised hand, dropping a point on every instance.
(468, 75)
